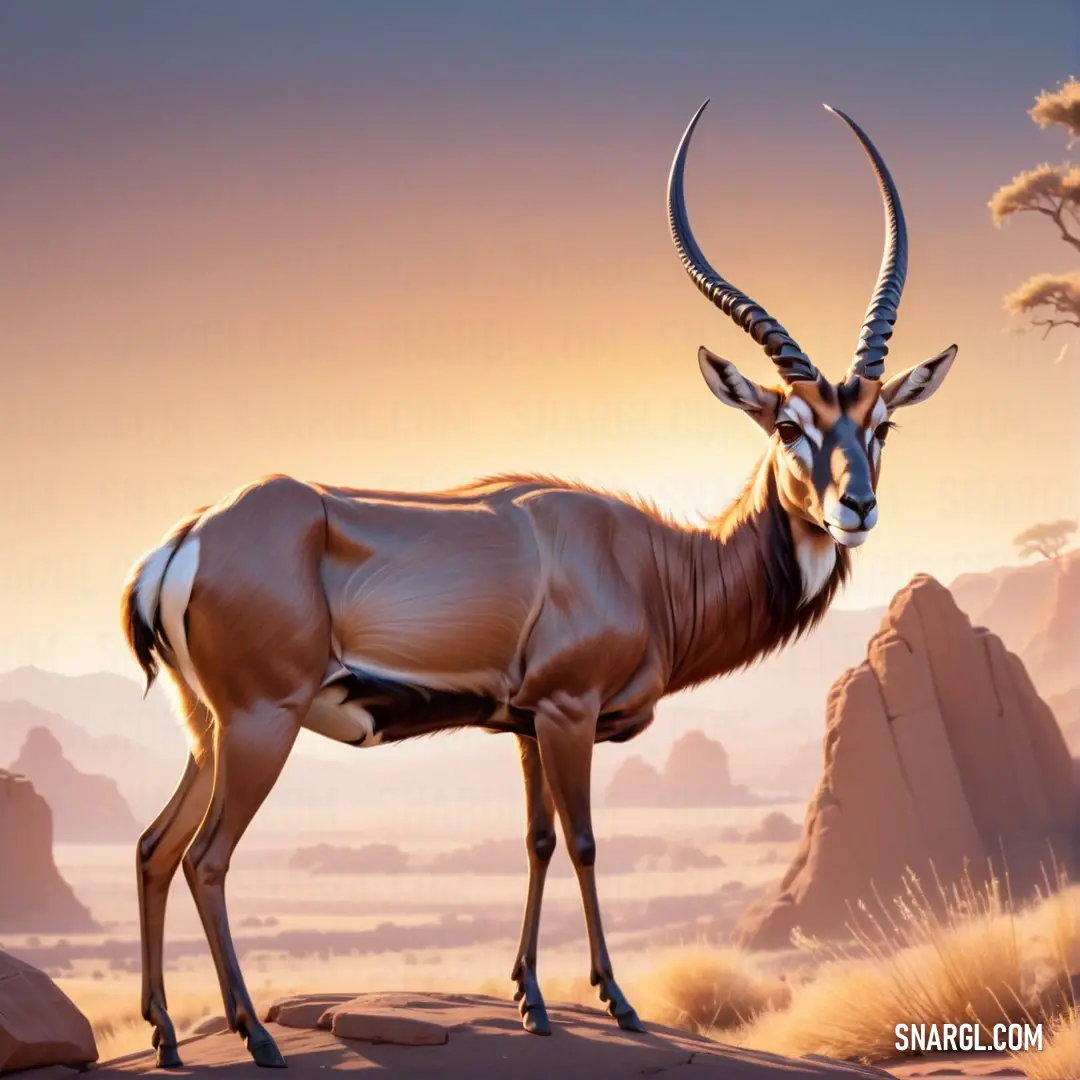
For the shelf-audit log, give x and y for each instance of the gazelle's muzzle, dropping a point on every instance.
(845, 485)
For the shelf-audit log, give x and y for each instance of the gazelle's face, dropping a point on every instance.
(827, 437)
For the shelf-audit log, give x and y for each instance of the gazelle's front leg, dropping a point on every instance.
(565, 733)
(540, 844)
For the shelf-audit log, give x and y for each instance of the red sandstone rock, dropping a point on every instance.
(39, 1024)
(938, 751)
(34, 898)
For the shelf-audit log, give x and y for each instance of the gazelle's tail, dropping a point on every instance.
(140, 603)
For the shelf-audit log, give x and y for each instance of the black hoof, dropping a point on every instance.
(534, 1017)
(168, 1057)
(266, 1054)
(630, 1022)
(535, 1020)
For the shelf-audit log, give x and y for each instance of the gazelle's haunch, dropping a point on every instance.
(518, 604)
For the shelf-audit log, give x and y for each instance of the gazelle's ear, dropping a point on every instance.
(918, 383)
(735, 389)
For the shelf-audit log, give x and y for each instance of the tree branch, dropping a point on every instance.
(1051, 323)
(1059, 220)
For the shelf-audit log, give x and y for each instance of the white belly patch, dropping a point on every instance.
(343, 721)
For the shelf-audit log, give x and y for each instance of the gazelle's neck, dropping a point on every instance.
(753, 579)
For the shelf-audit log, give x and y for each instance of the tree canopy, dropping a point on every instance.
(1053, 191)
(1047, 538)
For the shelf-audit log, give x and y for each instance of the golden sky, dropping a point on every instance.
(230, 264)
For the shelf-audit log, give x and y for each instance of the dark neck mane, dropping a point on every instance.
(736, 587)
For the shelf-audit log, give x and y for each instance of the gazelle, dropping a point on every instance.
(516, 604)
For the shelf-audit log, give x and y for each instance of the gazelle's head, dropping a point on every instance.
(827, 437)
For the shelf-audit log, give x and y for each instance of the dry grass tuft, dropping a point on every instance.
(1059, 1058)
(707, 990)
(982, 960)
(119, 1027)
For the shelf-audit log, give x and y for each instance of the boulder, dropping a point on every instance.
(34, 897)
(940, 758)
(39, 1024)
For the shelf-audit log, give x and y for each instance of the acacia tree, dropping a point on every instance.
(1047, 539)
(1048, 300)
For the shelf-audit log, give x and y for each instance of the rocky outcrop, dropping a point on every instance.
(696, 773)
(939, 755)
(85, 808)
(468, 1035)
(34, 898)
(39, 1024)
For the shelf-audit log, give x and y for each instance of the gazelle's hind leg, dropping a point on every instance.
(540, 845)
(250, 752)
(158, 854)
(256, 627)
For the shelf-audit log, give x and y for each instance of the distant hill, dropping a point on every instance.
(86, 807)
(102, 703)
(696, 773)
(145, 778)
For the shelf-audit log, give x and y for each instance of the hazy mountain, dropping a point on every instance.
(102, 703)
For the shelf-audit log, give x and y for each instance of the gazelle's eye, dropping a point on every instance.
(789, 433)
(882, 430)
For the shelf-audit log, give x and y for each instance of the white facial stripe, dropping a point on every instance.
(875, 452)
(802, 414)
(879, 414)
(801, 450)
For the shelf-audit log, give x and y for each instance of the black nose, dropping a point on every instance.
(861, 504)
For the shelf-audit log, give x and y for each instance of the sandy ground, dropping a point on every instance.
(484, 1038)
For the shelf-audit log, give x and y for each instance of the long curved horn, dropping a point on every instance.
(792, 363)
(880, 316)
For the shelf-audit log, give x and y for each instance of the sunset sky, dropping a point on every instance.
(404, 244)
